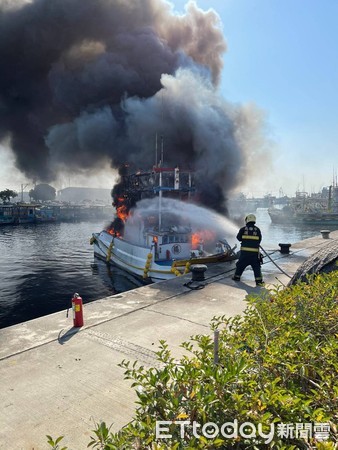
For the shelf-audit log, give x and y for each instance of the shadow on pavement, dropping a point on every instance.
(63, 338)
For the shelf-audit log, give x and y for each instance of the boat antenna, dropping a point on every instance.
(160, 202)
(156, 150)
(160, 174)
(162, 147)
(162, 120)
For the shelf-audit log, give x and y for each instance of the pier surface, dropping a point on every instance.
(59, 380)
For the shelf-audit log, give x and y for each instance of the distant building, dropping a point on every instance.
(84, 195)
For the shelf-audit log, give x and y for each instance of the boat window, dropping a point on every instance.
(165, 240)
(177, 239)
(171, 239)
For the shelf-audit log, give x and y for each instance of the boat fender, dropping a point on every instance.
(92, 240)
(167, 254)
(175, 270)
(110, 248)
(147, 265)
(187, 268)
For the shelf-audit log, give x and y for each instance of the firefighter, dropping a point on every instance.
(250, 237)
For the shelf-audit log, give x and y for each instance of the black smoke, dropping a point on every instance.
(86, 82)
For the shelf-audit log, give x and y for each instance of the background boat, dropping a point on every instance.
(320, 208)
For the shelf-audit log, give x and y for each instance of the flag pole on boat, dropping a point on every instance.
(160, 189)
(161, 164)
(156, 150)
(160, 202)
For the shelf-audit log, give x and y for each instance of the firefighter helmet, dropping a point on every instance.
(250, 218)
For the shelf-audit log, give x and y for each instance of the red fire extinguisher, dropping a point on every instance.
(77, 310)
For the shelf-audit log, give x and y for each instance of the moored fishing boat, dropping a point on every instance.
(316, 209)
(157, 243)
(7, 215)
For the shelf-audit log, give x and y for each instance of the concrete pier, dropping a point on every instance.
(59, 380)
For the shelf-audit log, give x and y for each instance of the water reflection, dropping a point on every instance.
(41, 266)
(115, 277)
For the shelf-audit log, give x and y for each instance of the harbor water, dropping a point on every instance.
(43, 265)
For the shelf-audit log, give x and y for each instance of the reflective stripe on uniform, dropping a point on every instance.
(253, 238)
(250, 249)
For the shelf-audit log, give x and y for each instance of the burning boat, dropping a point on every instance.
(156, 241)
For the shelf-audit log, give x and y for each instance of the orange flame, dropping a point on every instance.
(122, 213)
(121, 209)
(113, 232)
(202, 237)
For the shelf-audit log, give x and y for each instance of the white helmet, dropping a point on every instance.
(250, 218)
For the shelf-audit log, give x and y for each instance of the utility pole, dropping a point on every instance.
(22, 188)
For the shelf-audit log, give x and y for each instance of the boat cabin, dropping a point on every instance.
(170, 244)
(18, 213)
(6, 214)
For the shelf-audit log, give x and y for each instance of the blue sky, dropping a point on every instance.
(283, 56)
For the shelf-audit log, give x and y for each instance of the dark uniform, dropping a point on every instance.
(250, 237)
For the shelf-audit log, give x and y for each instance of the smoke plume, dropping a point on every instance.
(86, 82)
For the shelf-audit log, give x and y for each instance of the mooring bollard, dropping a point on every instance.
(216, 346)
(325, 234)
(285, 248)
(197, 272)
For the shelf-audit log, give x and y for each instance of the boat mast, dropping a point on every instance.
(160, 203)
(162, 149)
(160, 192)
(160, 166)
(156, 150)
(329, 205)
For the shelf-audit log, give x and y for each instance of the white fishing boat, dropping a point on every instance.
(157, 244)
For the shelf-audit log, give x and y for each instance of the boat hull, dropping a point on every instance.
(319, 218)
(132, 258)
(281, 217)
(140, 261)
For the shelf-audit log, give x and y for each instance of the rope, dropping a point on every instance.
(274, 262)
(194, 288)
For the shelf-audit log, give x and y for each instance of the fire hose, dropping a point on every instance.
(279, 268)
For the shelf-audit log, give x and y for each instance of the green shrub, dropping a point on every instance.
(277, 366)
